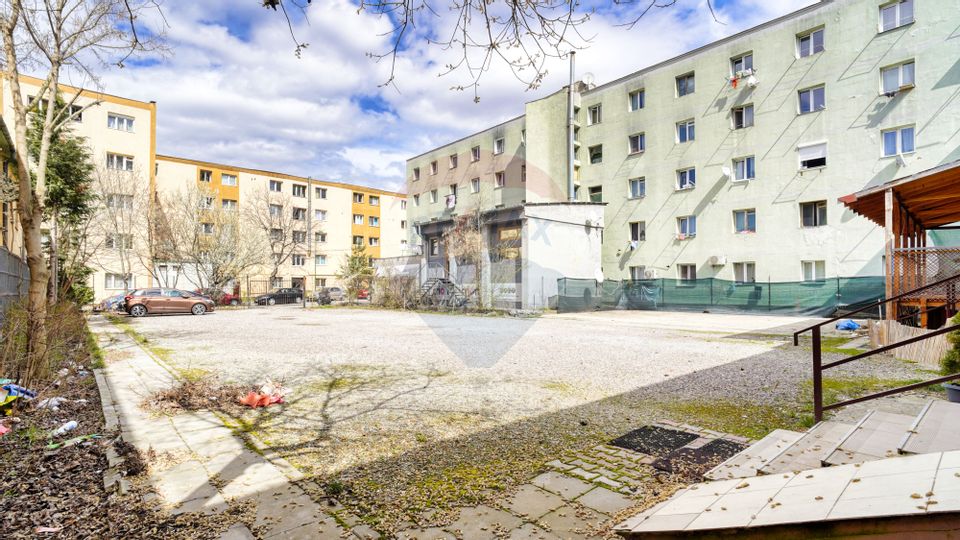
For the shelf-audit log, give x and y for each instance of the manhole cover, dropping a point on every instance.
(654, 440)
(694, 462)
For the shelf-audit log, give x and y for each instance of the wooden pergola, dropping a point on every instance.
(907, 208)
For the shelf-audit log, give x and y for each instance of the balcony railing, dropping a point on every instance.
(915, 268)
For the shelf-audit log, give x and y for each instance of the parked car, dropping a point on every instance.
(220, 297)
(112, 303)
(326, 295)
(363, 294)
(290, 295)
(160, 301)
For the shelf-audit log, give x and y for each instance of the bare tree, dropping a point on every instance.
(49, 36)
(281, 225)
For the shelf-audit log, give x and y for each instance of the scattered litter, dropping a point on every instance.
(63, 372)
(42, 530)
(69, 426)
(847, 324)
(70, 442)
(6, 404)
(4, 430)
(16, 390)
(52, 403)
(269, 394)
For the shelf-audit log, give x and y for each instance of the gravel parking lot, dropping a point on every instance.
(437, 402)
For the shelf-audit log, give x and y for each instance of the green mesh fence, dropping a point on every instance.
(786, 298)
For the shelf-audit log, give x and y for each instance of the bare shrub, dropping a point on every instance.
(396, 291)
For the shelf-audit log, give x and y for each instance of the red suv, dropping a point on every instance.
(220, 297)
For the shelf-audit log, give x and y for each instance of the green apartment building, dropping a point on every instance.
(727, 161)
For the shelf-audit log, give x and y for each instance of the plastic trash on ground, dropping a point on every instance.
(52, 403)
(18, 391)
(69, 426)
(269, 394)
(4, 430)
(847, 324)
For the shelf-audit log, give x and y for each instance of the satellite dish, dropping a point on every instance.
(599, 276)
(588, 79)
(726, 171)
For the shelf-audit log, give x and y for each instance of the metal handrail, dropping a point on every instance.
(819, 367)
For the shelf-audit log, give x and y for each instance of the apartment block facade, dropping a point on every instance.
(728, 161)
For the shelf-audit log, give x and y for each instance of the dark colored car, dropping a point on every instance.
(158, 301)
(220, 297)
(328, 295)
(288, 295)
(111, 303)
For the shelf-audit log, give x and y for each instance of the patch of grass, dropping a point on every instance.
(559, 387)
(734, 416)
(841, 389)
(33, 434)
(163, 353)
(96, 353)
(834, 344)
(194, 374)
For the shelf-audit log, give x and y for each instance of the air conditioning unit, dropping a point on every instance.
(718, 260)
(650, 274)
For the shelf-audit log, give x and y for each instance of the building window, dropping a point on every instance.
(896, 14)
(299, 214)
(523, 173)
(358, 198)
(813, 214)
(374, 241)
(637, 188)
(744, 168)
(320, 237)
(120, 201)
(895, 78)
(320, 215)
(229, 205)
(276, 186)
(637, 273)
(206, 228)
(118, 241)
(206, 203)
(686, 227)
(300, 237)
(898, 141)
(403, 224)
(120, 122)
(416, 173)
(814, 270)
(228, 179)
(475, 185)
(813, 156)
(685, 131)
(433, 167)
(637, 143)
(498, 146)
(119, 162)
(434, 247)
(320, 260)
(297, 260)
(416, 200)
(433, 196)
(745, 272)
(810, 43)
(685, 85)
(276, 282)
(742, 117)
(206, 176)
(299, 190)
(374, 200)
(374, 221)
(687, 178)
(596, 154)
(745, 221)
(276, 210)
(320, 192)
(637, 100)
(638, 231)
(453, 161)
(403, 204)
(594, 114)
(118, 281)
(595, 193)
(358, 219)
(523, 136)
(500, 179)
(452, 189)
(812, 99)
(475, 153)
(358, 240)
(741, 65)
(687, 272)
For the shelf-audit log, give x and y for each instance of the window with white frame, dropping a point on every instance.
(229, 205)
(320, 237)
(475, 153)
(638, 231)
(638, 272)
(374, 241)
(403, 224)
(118, 241)
(745, 221)
(374, 221)
(498, 146)
(276, 186)
(120, 122)
(814, 270)
(434, 247)
(896, 78)
(637, 188)
(898, 141)
(812, 156)
(812, 99)
(687, 178)
(298, 259)
(358, 219)
(741, 65)
(686, 227)
(276, 210)
(594, 114)
(596, 154)
(320, 215)
(896, 14)
(228, 179)
(685, 85)
(452, 161)
(299, 214)
(416, 200)
(416, 174)
(810, 43)
(357, 240)
(374, 200)
(119, 162)
(744, 272)
(636, 100)
(299, 237)
(687, 272)
(320, 260)
(742, 117)
(523, 136)
(433, 167)
(744, 168)
(115, 200)
(206, 176)
(206, 228)
(403, 204)
(358, 198)
(637, 143)
(320, 192)
(118, 281)
(276, 282)
(433, 196)
(299, 190)
(500, 179)
(686, 131)
(452, 190)
(475, 185)
(206, 203)
(813, 214)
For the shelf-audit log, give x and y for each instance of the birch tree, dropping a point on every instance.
(280, 225)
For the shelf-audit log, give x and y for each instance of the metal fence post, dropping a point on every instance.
(769, 294)
(817, 376)
(711, 291)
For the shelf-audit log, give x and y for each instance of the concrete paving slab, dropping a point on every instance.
(605, 501)
(532, 502)
(561, 484)
(483, 522)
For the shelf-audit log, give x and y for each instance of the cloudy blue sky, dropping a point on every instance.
(230, 89)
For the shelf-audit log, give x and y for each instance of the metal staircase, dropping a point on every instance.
(442, 293)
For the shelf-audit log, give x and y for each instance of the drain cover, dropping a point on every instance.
(694, 462)
(654, 440)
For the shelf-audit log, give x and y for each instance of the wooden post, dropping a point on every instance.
(817, 376)
(888, 229)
